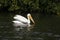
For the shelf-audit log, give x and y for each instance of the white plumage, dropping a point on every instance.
(21, 18)
(22, 21)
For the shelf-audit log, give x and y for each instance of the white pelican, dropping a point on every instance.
(22, 21)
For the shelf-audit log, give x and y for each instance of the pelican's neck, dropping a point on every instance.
(28, 20)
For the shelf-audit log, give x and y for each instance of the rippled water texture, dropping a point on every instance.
(46, 28)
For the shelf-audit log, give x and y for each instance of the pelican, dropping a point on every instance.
(22, 21)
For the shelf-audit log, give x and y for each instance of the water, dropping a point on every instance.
(46, 28)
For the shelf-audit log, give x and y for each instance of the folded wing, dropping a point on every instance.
(21, 18)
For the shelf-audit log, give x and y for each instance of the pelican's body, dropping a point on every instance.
(22, 21)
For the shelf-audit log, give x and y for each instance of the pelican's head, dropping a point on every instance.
(30, 17)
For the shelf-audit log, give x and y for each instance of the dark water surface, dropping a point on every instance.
(46, 28)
